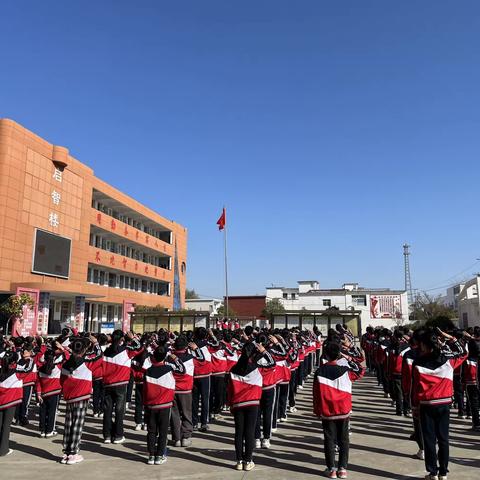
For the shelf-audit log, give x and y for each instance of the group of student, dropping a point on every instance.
(422, 372)
(184, 381)
(181, 381)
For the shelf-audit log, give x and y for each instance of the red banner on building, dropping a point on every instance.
(27, 324)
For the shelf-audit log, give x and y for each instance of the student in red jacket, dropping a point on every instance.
(332, 402)
(11, 392)
(267, 367)
(139, 363)
(21, 412)
(407, 364)
(117, 363)
(97, 372)
(182, 426)
(243, 395)
(432, 391)
(48, 387)
(398, 348)
(201, 378)
(470, 380)
(76, 380)
(158, 396)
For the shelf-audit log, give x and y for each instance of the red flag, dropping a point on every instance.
(222, 220)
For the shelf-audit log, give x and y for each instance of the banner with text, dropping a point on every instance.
(128, 308)
(385, 306)
(26, 325)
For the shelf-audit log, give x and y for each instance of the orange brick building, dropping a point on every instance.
(85, 251)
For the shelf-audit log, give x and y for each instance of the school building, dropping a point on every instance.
(84, 251)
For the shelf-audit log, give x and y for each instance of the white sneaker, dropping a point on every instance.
(258, 443)
(73, 459)
(160, 460)
(300, 387)
(248, 466)
(138, 427)
(274, 430)
(144, 427)
(431, 477)
(119, 440)
(266, 443)
(283, 420)
(10, 451)
(42, 434)
(64, 459)
(51, 434)
(151, 460)
(239, 466)
(95, 415)
(107, 440)
(442, 477)
(420, 455)
(293, 409)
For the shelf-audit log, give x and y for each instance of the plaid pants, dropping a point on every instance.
(74, 420)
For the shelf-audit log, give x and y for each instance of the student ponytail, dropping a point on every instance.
(47, 367)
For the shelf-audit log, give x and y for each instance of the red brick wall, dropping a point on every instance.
(247, 306)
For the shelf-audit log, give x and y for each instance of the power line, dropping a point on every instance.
(434, 287)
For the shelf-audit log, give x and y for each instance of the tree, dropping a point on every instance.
(230, 314)
(272, 307)
(430, 311)
(13, 307)
(191, 294)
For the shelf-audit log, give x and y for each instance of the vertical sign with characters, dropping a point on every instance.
(27, 324)
(79, 319)
(43, 312)
(128, 307)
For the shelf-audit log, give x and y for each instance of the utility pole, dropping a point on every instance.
(408, 280)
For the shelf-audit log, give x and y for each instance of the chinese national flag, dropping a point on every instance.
(222, 220)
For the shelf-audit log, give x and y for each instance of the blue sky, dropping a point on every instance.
(333, 131)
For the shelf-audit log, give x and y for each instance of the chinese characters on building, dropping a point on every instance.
(53, 218)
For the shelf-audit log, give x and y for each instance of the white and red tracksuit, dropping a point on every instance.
(245, 391)
(184, 381)
(49, 384)
(432, 378)
(332, 389)
(11, 387)
(117, 364)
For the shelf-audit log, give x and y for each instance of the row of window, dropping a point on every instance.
(99, 241)
(359, 300)
(160, 234)
(127, 282)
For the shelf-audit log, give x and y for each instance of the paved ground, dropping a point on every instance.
(380, 448)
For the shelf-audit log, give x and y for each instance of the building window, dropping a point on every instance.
(285, 296)
(360, 300)
(327, 302)
(294, 296)
(184, 267)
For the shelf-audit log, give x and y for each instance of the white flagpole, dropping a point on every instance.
(226, 265)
